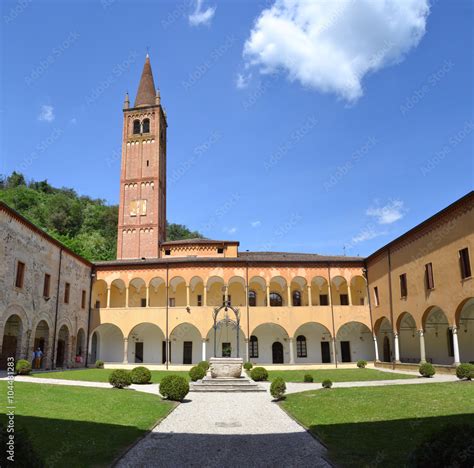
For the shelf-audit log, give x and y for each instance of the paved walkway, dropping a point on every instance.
(227, 430)
(230, 429)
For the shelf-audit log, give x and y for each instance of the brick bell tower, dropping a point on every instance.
(142, 210)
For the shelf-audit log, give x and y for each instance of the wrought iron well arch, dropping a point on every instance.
(226, 306)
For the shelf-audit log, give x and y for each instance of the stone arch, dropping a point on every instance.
(236, 291)
(196, 291)
(106, 343)
(409, 342)
(137, 293)
(267, 334)
(339, 291)
(177, 292)
(258, 285)
(99, 294)
(12, 340)
(385, 342)
(145, 344)
(354, 342)
(157, 292)
(117, 293)
(320, 291)
(42, 338)
(80, 345)
(358, 289)
(278, 285)
(299, 291)
(63, 343)
(465, 329)
(215, 291)
(185, 344)
(318, 343)
(438, 336)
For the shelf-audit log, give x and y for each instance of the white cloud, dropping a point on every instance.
(255, 224)
(388, 214)
(231, 230)
(46, 114)
(242, 81)
(200, 16)
(332, 45)
(366, 234)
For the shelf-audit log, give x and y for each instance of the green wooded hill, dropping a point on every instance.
(87, 226)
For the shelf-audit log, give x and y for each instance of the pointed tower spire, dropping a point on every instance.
(146, 88)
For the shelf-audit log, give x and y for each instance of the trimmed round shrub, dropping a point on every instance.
(99, 364)
(174, 387)
(327, 383)
(308, 378)
(23, 367)
(258, 374)
(449, 446)
(465, 371)
(204, 365)
(427, 370)
(361, 364)
(248, 366)
(278, 388)
(120, 378)
(196, 373)
(140, 375)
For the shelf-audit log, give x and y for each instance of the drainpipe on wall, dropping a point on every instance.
(332, 316)
(89, 318)
(366, 274)
(390, 288)
(53, 362)
(167, 344)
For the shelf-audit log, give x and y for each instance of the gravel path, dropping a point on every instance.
(227, 430)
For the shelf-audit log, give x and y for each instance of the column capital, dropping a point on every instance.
(125, 338)
(291, 339)
(454, 330)
(420, 332)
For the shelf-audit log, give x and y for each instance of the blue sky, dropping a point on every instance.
(273, 139)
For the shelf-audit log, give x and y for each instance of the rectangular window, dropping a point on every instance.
(323, 299)
(199, 300)
(20, 274)
(465, 263)
(362, 301)
(46, 285)
(301, 350)
(167, 252)
(220, 250)
(253, 347)
(83, 299)
(429, 279)
(172, 301)
(344, 299)
(97, 304)
(450, 342)
(403, 285)
(67, 288)
(143, 302)
(376, 296)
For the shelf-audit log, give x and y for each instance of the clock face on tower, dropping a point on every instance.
(137, 208)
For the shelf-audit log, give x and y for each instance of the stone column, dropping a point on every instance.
(125, 350)
(268, 295)
(376, 349)
(147, 296)
(188, 298)
(226, 293)
(457, 359)
(310, 299)
(203, 358)
(290, 302)
(126, 296)
(397, 347)
(204, 296)
(422, 346)
(334, 354)
(349, 292)
(247, 353)
(292, 352)
(108, 298)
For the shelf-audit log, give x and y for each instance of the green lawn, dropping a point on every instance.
(336, 375)
(380, 426)
(101, 375)
(77, 426)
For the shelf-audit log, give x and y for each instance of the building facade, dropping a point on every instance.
(184, 301)
(44, 295)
